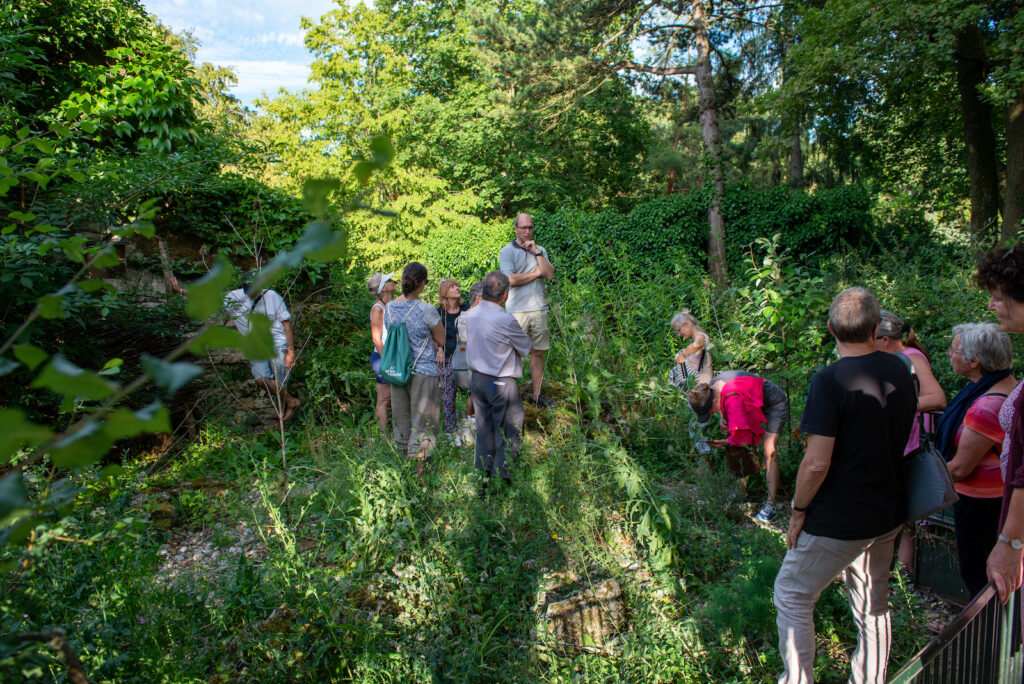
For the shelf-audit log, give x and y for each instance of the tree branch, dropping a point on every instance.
(657, 71)
(55, 638)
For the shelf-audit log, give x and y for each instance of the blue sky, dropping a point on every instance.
(260, 39)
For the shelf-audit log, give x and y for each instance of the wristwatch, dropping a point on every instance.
(798, 509)
(1016, 544)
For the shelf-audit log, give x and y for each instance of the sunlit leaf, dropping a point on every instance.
(94, 285)
(319, 243)
(216, 337)
(206, 295)
(30, 355)
(20, 531)
(111, 471)
(315, 193)
(169, 376)
(13, 498)
(112, 367)
(124, 423)
(7, 366)
(64, 377)
(107, 258)
(258, 344)
(383, 150)
(363, 170)
(16, 432)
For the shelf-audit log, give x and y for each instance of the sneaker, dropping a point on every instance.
(457, 439)
(767, 513)
(542, 402)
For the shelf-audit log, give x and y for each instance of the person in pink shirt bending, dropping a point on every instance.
(753, 411)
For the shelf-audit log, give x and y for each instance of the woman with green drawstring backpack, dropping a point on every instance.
(416, 405)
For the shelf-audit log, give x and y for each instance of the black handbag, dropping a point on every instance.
(929, 485)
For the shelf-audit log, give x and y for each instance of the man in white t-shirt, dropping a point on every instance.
(272, 374)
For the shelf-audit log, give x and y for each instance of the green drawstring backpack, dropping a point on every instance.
(396, 362)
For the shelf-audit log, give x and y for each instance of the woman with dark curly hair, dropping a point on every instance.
(1001, 272)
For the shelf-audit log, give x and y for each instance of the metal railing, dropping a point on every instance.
(982, 645)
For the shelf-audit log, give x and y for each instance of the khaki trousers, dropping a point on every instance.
(415, 410)
(806, 571)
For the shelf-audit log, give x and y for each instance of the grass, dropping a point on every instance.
(353, 569)
(361, 572)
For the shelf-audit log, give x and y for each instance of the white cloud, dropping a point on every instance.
(256, 76)
(236, 34)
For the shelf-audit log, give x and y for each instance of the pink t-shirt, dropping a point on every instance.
(1006, 422)
(915, 432)
(742, 399)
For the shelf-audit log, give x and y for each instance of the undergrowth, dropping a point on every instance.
(352, 569)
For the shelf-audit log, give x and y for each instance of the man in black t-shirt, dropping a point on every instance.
(849, 499)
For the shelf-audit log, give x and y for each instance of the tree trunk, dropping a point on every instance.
(796, 162)
(1014, 202)
(675, 146)
(982, 167)
(709, 131)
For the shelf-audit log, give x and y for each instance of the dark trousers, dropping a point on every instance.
(977, 526)
(499, 422)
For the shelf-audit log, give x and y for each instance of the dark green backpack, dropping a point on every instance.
(396, 362)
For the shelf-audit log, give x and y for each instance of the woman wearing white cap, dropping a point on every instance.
(381, 285)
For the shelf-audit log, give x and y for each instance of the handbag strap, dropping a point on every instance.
(407, 313)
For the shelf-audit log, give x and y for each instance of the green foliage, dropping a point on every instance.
(779, 322)
(465, 250)
(812, 226)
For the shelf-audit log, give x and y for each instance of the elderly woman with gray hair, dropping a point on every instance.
(696, 356)
(970, 437)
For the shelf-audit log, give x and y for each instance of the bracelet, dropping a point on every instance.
(798, 509)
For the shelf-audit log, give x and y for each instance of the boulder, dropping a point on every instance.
(588, 620)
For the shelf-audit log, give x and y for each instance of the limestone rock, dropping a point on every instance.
(589, 620)
(278, 622)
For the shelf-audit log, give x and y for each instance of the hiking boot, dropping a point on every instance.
(542, 402)
(767, 513)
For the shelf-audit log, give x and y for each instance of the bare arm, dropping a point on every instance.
(813, 469)
(1004, 561)
(437, 332)
(377, 328)
(517, 279)
(695, 346)
(972, 447)
(931, 398)
(547, 271)
(289, 357)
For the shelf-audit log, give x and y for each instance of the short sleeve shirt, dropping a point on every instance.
(529, 297)
(986, 480)
(867, 404)
(420, 318)
(270, 305)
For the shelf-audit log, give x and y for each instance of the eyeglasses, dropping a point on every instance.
(953, 350)
(525, 227)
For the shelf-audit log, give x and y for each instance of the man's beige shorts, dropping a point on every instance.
(535, 325)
